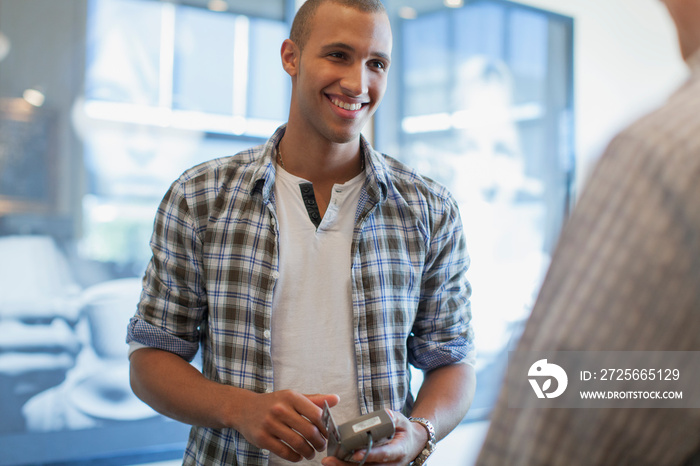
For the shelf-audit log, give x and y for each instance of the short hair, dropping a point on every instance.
(301, 26)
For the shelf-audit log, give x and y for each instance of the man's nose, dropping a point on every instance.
(355, 81)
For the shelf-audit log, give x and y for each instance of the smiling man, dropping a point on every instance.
(309, 269)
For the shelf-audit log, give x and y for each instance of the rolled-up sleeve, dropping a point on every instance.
(442, 332)
(173, 302)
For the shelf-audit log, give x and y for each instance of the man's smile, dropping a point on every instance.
(345, 105)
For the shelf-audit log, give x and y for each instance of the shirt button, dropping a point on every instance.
(266, 334)
(265, 452)
(275, 275)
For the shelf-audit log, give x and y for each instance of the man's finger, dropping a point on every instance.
(296, 423)
(318, 399)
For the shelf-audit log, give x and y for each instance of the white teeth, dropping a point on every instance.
(346, 105)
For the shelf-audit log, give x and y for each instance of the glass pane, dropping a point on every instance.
(135, 93)
(204, 61)
(484, 107)
(426, 58)
(528, 52)
(123, 52)
(479, 30)
(271, 87)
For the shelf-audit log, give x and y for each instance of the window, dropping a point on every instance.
(167, 86)
(481, 100)
(103, 103)
(136, 91)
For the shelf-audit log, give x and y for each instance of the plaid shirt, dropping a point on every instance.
(212, 277)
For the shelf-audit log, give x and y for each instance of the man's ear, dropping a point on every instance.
(290, 57)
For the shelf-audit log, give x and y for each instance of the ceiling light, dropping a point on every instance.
(34, 97)
(4, 46)
(407, 12)
(454, 3)
(217, 5)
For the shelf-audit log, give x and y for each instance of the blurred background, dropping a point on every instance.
(103, 103)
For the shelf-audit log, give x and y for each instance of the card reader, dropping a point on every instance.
(372, 429)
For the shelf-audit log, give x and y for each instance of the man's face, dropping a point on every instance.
(341, 74)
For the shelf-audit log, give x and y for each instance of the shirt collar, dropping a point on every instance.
(376, 170)
(375, 166)
(264, 177)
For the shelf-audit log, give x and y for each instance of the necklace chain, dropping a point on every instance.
(279, 157)
(281, 162)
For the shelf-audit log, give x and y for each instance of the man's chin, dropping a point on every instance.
(346, 140)
(344, 137)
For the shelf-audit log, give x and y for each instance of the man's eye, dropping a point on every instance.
(339, 55)
(378, 64)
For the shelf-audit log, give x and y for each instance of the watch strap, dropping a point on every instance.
(430, 445)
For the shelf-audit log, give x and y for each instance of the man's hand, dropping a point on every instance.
(408, 441)
(444, 398)
(286, 423)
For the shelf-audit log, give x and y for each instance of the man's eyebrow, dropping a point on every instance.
(383, 56)
(350, 48)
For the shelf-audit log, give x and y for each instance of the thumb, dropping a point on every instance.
(318, 399)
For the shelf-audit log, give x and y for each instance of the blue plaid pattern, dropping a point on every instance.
(211, 280)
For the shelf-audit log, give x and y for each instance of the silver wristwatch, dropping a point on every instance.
(430, 446)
